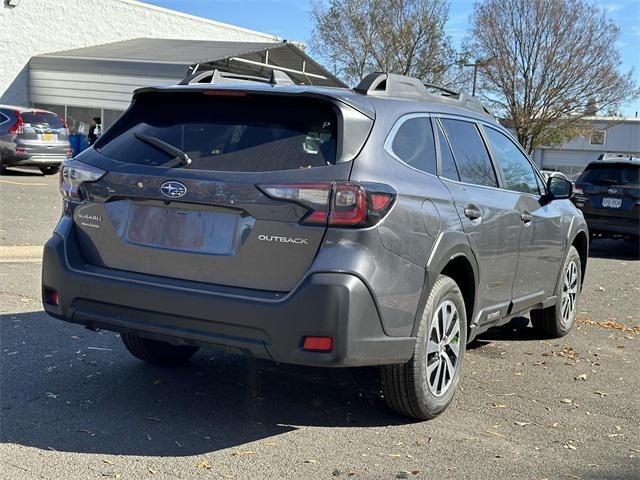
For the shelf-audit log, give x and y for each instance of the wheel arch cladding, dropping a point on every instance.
(581, 244)
(459, 268)
(457, 262)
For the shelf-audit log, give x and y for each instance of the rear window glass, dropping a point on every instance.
(252, 133)
(413, 144)
(616, 174)
(41, 120)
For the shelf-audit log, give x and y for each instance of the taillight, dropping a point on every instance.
(18, 127)
(338, 204)
(73, 174)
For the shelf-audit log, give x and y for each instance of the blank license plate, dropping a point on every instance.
(48, 137)
(612, 202)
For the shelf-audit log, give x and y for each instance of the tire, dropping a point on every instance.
(412, 388)
(556, 321)
(157, 352)
(49, 169)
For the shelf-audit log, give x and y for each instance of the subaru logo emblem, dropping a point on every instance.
(612, 191)
(173, 189)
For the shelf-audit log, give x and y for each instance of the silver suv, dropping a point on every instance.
(384, 225)
(32, 137)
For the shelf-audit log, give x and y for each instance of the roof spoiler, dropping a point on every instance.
(277, 77)
(401, 86)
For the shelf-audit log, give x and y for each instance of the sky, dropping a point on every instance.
(291, 20)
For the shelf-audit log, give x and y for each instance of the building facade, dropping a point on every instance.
(35, 27)
(608, 135)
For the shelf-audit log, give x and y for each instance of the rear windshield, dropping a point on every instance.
(41, 120)
(247, 133)
(614, 174)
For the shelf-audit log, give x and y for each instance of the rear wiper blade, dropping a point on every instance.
(179, 157)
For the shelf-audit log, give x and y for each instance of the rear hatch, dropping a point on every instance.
(213, 220)
(610, 190)
(42, 132)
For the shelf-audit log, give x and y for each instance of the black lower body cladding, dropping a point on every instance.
(271, 326)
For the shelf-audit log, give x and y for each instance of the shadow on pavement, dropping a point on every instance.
(89, 395)
(617, 249)
(22, 172)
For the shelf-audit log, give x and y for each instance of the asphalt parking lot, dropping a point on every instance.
(75, 405)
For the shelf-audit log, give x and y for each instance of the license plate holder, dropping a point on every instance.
(608, 202)
(49, 137)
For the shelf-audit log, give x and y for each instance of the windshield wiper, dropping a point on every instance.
(179, 157)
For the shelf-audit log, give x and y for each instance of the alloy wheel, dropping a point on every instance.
(569, 293)
(443, 348)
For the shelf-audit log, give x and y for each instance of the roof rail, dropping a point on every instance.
(401, 86)
(277, 77)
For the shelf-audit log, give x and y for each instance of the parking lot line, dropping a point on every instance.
(10, 182)
(20, 253)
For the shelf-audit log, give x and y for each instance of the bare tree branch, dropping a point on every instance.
(550, 60)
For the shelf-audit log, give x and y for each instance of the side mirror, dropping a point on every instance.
(559, 188)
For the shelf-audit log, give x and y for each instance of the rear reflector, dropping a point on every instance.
(338, 204)
(318, 344)
(51, 297)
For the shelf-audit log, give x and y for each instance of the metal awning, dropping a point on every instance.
(104, 76)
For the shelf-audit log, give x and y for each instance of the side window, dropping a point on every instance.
(471, 156)
(518, 172)
(413, 144)
(447, 163)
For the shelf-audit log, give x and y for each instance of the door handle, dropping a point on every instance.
(527, 218)
(472, 212)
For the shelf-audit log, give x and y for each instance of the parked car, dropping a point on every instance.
(608, 193)
(32, 137)
(384, 225)
(553, 173)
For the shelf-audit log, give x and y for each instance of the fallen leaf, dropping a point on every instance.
(569, 446)
(566, 400)
(244, 452)
(311, 461)
(108, 462)
(523, 424)
(582, 377)
(152, 470)
(204, 464)
(602, 394)
(499, 405)
(395, 455)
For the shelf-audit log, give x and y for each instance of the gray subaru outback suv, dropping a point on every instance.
(384, 225)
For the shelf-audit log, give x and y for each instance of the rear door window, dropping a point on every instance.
(236, 132)
(413, 143)
(470, 153)
(42, 120)
(518, 173)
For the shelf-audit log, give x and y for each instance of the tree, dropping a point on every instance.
(358, 37)
(550, 62)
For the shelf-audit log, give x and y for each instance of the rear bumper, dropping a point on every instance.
(35, 155)
(267, 325)
(629, 226)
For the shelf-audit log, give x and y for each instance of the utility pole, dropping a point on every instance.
(475, 65)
